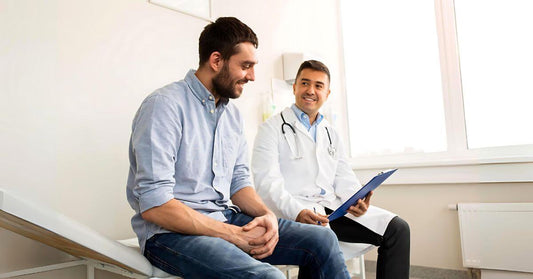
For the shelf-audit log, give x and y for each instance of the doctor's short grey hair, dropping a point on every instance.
(314, 65)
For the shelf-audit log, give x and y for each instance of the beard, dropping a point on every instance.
(224, 86)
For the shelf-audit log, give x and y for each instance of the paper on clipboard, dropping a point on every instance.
(370, 186)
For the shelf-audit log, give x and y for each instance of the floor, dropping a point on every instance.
(372, 275)
(368, 274)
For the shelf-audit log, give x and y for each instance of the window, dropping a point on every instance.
(496, 69)
(440, 84)
(394, 84)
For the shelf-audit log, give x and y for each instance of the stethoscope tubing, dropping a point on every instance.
(331, 149)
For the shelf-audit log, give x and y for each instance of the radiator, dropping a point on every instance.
(497, 236)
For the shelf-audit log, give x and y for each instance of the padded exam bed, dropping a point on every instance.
(54, 229)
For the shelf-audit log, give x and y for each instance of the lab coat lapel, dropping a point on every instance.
(291, 138)
(292, 141)
(321, 135)
(326, 170)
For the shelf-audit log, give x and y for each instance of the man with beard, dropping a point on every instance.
(196, 214)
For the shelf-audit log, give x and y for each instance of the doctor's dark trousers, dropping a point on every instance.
(394, 245)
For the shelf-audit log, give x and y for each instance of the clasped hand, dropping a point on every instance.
(261, 236)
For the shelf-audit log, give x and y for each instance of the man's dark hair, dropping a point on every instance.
(223, 35)
(314, 65)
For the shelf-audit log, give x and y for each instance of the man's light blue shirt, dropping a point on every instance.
(304, 119)
(184, 147)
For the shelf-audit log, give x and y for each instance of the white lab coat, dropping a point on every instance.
(289, 184)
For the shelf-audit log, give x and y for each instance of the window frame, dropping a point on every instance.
(480, 165)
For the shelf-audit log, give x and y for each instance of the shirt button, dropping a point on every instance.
(210, 97)
(215, 164)
(203, 101)
(212, 111)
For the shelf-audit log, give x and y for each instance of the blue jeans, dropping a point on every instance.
(314, 248)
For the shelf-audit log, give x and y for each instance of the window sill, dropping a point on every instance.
(441, 169)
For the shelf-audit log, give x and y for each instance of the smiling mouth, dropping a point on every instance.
(309, 99)
(241, 83)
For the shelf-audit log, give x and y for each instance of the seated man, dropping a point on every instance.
(196, 214)
(299, 166)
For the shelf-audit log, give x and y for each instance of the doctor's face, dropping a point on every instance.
(236, 72)
(311, 90)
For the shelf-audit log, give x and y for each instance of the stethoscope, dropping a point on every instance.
(331, 149)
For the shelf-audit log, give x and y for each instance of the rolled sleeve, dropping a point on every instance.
(155, 197)
(154, 144)
(241, 171)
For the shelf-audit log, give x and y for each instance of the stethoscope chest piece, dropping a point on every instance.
(332, 150)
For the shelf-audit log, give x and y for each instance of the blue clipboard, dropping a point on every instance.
(370, 186)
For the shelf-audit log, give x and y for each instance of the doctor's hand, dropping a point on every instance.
(265, 243)
(361, 207)
(307, 216)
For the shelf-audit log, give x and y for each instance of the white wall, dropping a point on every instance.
(72, 75)
(435, 240)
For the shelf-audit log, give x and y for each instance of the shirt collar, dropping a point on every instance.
(199, 91)
(304, 118)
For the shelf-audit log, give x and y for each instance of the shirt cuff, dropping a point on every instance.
(155, 197)
(238, 185)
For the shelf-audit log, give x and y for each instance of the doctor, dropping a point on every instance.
(301, 172)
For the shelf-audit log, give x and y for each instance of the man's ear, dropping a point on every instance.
(327, 95)
(294, 88)
(215, 61)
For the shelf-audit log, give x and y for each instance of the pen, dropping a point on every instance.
(314, 209)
